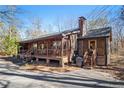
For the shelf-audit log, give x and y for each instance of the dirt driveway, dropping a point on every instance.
(12, 77)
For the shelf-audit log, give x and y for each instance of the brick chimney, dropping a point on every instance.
(82, 26)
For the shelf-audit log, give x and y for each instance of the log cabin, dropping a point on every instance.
(60, 46)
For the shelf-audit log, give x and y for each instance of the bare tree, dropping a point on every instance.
(122, 13)
(59, 25)
(119, 27)
(65, 23)
(70, 23)
(9, 29)
(35, 29)
(98, 23)
(50, 28)
(117, 24)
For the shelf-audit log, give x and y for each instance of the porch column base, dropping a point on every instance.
(37, 59)
(61, 63)
(47, 61)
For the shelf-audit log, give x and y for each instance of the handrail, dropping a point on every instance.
(54, 52)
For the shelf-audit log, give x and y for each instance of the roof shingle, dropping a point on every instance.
(101, 32)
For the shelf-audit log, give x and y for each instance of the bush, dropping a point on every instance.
(10, 45)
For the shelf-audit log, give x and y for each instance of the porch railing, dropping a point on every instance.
(45, 52)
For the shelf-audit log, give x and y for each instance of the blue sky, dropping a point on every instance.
(46, 11)
(49, 13)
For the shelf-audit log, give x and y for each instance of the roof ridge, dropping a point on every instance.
(101, 32)
(50, 34)
(101, 28)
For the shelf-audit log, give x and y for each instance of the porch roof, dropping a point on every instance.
(95, 33)
(50, 35)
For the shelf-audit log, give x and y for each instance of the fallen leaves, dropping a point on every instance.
(44, 68)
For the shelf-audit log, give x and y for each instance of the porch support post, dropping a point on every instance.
(69, 49)
(47, 49)
(61, 62)
(47, 60)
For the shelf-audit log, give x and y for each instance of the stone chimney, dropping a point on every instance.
(82, 26)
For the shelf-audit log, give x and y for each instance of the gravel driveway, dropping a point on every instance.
(12, 77)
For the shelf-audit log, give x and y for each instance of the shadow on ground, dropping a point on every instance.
(4, 83)
(14, 60)
(69, 80)
(20, 62)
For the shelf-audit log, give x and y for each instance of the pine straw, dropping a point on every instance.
(45, 68)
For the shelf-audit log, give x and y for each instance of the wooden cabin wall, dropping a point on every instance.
(82, 46)
(101, 44)
(108, 50)
(24, 46)
(101, 51)
(29, 46)
(73, 45)
(85, 46)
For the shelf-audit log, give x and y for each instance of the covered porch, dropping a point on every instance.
(50, 48)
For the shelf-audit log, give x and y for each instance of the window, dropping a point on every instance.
(35, 45)
(56, 44)
(92, 44)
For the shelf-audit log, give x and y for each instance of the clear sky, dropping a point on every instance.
(48, 13)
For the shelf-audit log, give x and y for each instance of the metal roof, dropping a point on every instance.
(101, 32)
